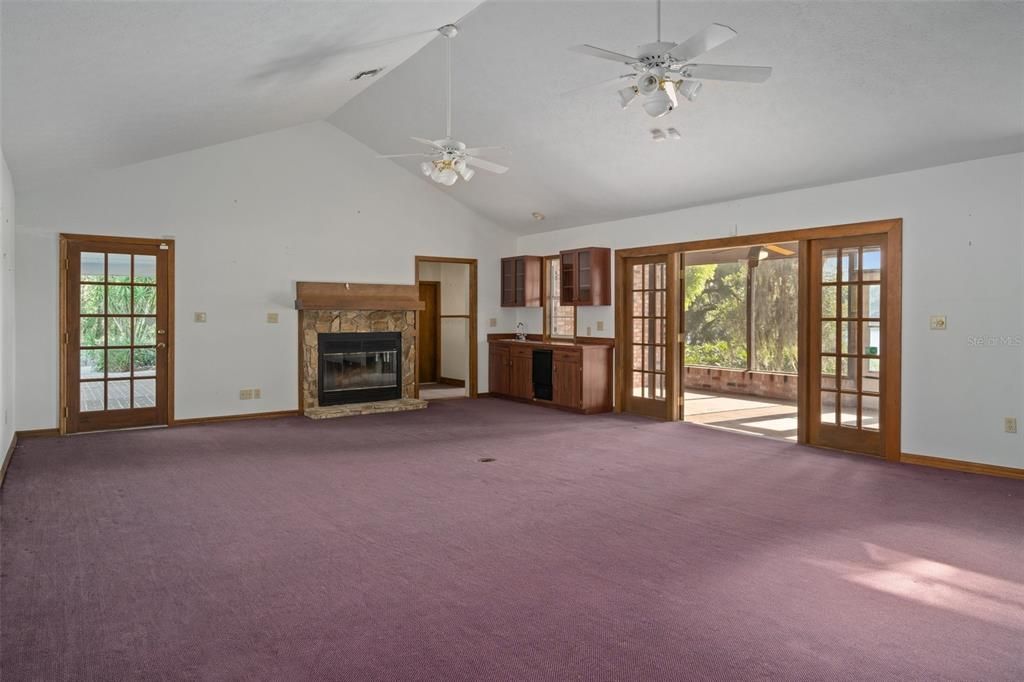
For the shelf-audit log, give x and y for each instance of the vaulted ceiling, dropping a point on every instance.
(95, 85)
(859, 89)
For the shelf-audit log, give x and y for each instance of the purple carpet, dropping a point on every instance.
(593, 548)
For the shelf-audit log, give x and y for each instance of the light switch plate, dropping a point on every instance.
(272, 318)
(600, 325)
(1010, 424)
(200, 317)
(493, 322)
(245, 394)
(256, 395)
(937, 322)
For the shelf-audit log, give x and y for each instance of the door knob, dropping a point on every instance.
(161, 331)
(161, 345)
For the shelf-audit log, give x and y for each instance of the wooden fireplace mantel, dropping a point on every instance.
(353, 296)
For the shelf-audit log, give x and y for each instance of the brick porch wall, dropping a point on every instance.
(760, 384)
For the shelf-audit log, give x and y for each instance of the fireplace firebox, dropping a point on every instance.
(359, 367)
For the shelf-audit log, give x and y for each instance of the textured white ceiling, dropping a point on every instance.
(91, 85)
(859, 89)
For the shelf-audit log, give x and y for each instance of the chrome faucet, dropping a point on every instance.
(520, 331)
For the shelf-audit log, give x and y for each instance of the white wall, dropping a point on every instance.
(7, 306)
(249, 218)
(963, 257)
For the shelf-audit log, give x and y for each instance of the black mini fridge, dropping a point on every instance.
(542, 375)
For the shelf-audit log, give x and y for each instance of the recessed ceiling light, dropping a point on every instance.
(370, 73)
(538, 216)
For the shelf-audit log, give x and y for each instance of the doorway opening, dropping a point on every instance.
(721, 351)
(741, 338)
(446, 328)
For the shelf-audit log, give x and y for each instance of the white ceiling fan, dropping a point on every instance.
(449, 158)
(662, 70)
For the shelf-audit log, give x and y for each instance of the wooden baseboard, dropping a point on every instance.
(38, 433)
(451, 382)
(236, 417)
(960, 465)
(7, 458)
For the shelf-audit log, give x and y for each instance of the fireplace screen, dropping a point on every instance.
(359, 367)
(355, 371)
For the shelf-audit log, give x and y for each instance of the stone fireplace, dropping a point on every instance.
(356, 359)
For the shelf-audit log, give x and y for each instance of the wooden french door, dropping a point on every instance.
(646, 347)
(853, 344)
(116, 332)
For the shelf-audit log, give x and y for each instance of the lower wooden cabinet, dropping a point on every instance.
(567, 383)
(580, 377)
(499, 369)
(521, 373)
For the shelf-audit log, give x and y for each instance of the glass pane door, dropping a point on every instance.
(647, 345)
(847, 332)
(116, 336)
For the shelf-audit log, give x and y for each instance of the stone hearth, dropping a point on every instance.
(353, 409)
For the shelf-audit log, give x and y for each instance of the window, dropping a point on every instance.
(559, 320)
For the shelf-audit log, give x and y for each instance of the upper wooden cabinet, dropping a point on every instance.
(521, 281)
(587, 276)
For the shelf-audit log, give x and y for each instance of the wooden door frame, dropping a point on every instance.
(473, 332)
(437, 329)
(63, 341)
(893, 230)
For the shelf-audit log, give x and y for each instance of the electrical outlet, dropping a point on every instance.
(256, 394)
(271, 318)
(588, 331)
(1010, 424)
(600, 325)
(199, 317)
(245, 394)
(937, 322)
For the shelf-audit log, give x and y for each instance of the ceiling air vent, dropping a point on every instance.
(367, 74)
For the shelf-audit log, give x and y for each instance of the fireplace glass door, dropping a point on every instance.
(355, 371)
(358, 367)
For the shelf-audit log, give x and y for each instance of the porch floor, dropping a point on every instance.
(742, 413)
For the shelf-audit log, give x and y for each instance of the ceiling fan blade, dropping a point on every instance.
(425, 141)
(724, 72)
(473, 151)
(486, 165)
(782, 251)
(702, 41)
(604, 54)
(402, 156)
(590, 86)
